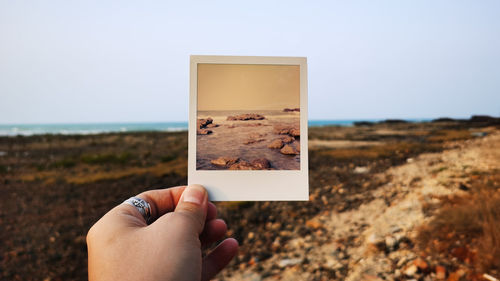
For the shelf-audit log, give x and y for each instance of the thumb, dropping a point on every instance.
(193, 206)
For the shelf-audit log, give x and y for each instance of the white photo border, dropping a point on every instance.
(250, 185)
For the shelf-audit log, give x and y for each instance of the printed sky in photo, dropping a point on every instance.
(248, 87)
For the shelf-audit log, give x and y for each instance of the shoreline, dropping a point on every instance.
(13, 130)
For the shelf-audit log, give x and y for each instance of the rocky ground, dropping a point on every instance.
(377, 239)
(248, 142)
(371, 187)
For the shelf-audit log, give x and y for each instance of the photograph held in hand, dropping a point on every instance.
(248, 123)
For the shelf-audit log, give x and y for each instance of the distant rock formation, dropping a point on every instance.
(476, 120)
(363, 123)
(443, 119)
(393, 121)
(202, 124)
(237, 164)
(246, 117)
(484, 119)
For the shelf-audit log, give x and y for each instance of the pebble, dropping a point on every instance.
(361, 170)
(400, 237)
(342, 255)
(411, 270)
(297, 243)
(314, 224)
(375, 240)
(440, 272)
(253, 261)
(276, 226)
(395, 229)
(289, 262)
(401, 262)
(332, 262)
(489, 277)
(369, 277)
(285, 233)
(421, 264)
(276, 244)
(390, 242)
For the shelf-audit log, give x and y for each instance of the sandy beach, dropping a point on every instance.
(248, 140)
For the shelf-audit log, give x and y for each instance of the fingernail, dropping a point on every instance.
(194, 194)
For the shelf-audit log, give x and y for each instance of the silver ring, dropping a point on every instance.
(142, 206)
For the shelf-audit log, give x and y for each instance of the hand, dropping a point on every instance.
(121, 246)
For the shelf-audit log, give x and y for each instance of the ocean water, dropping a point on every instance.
(101, 128)
(90, 128)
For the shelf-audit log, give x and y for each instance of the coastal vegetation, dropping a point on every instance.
(56, 186)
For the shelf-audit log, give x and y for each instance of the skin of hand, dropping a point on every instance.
(121, 246)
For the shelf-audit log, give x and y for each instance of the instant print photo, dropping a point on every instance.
(250, 121)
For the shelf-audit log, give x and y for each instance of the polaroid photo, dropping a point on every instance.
(248, 127)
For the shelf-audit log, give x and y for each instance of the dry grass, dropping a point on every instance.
(449, 135)
(87, 175)
(381, 151)
(489, 243)
(467, 227)
(106, 158)
(179, 167)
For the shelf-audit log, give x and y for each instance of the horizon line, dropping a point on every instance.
(186, 121)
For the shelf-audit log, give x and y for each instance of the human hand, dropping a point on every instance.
(121, 246)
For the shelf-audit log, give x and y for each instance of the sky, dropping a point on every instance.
(248, 87)
(128, 61)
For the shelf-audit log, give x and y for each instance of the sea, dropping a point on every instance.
(103, 128)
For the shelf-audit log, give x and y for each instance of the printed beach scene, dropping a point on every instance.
(248, 117)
